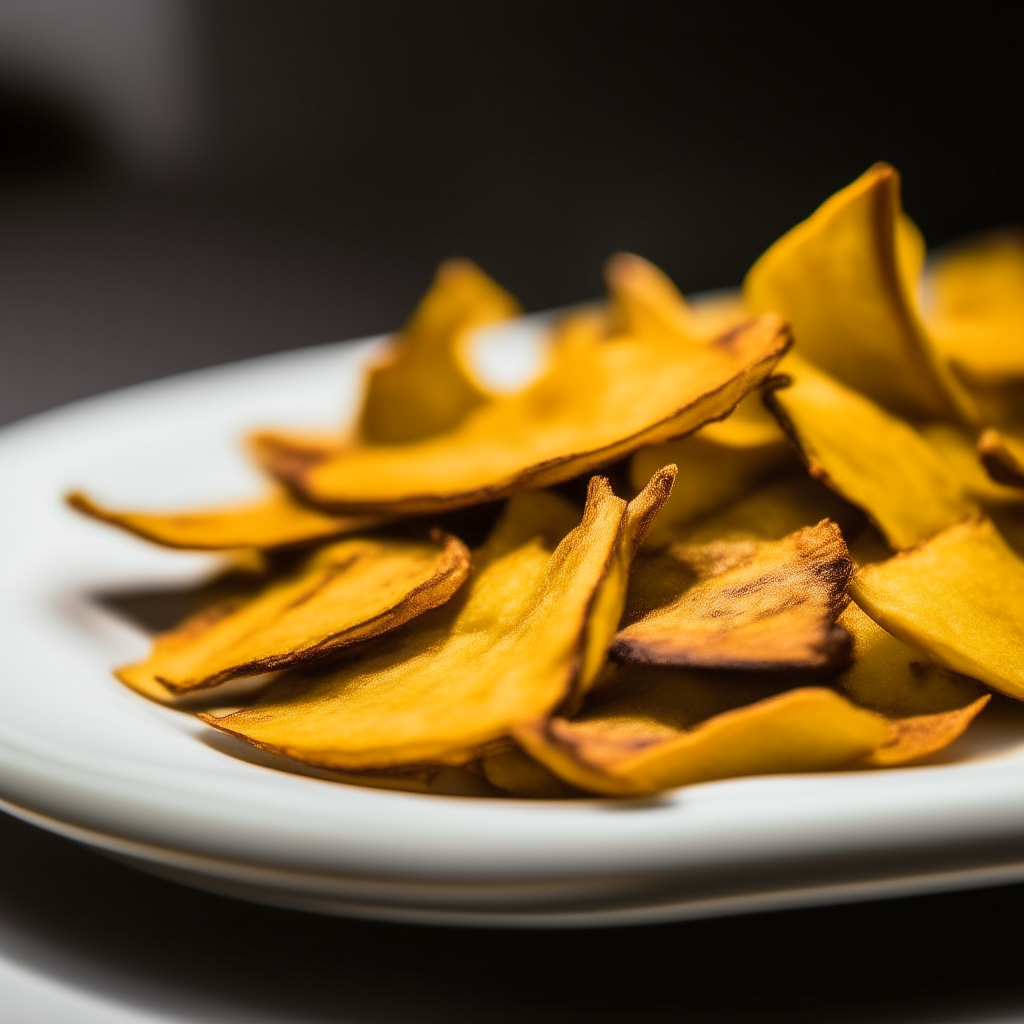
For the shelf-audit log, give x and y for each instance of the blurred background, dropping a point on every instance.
(184, 183)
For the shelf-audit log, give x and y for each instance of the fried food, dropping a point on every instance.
(345, 593)
(425, 384)
(869, 457)
(526, 633)
(276, 520)
(740, 604)
(845, 279)
(590, 409)
(959, 597)
(655, 732)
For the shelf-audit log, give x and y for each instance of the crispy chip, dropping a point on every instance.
(424, 385)
(532, 622)
(977, 311)
(594, 406)
(349, 591)
(740, 604)
(959, 597)
(897, 679)
(277, 520)
(869, 457)
(513, 771)
(656, 731)
(1003, 457)
(844, 279)
(922, 735)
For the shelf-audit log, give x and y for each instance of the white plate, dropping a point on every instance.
(85, 757)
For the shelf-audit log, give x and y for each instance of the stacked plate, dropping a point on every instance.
(83, 756)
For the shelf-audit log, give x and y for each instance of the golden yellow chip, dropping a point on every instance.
(740, 604)
(869, 457)
(594, 406)
(531, 623)
(425, 384)
(276, 520)
(344, 593)
(959, 597)
(513, 771)
(1003, 457)
(976, 315)
(631, 745)
(845, 279)
(959, 451)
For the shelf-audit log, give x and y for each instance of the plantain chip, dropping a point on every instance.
(976, 313)
(594, 406)
(277, 520)
(897, 679)
(959, 597)
(1003, 457)
(869, 457)
(425, 384)
(526, 633)
(961, 454)
(922, 735)
(349, 591)
(740, 604)
(656, 729)
(845, 280)
(513, 771)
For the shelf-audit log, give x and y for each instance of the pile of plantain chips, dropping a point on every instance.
(778, 531)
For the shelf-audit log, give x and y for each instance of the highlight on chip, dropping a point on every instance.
(755, 605)
(344, 593)
(589, 409)
(528, 628)
(276, 520)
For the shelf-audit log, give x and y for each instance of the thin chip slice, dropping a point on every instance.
(533, 620)
(1003, 457)
(284, 453)
(424, 385)
(977, 311)
(592, 408)
(922, 735)
(347, 592)
(754, 605)
(844, 279)
(959, 597)
(869, 457)
(277, 520)
(513, 771)
(633, 749)
(897, 679)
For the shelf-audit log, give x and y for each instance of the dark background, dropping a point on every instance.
(334, 152)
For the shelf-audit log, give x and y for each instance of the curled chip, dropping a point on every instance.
(425, 384)
(349, 591)
(977, 311)
(740, 604)
(662, 731)
(528, 630)
(596, 404)
(869, 457)
(959, 451)
(959, 597)
(277, 520)
(1003, 457)
(845, 280)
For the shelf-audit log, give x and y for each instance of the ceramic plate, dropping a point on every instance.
(85, 757)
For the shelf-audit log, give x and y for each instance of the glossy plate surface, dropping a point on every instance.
(82, 755)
